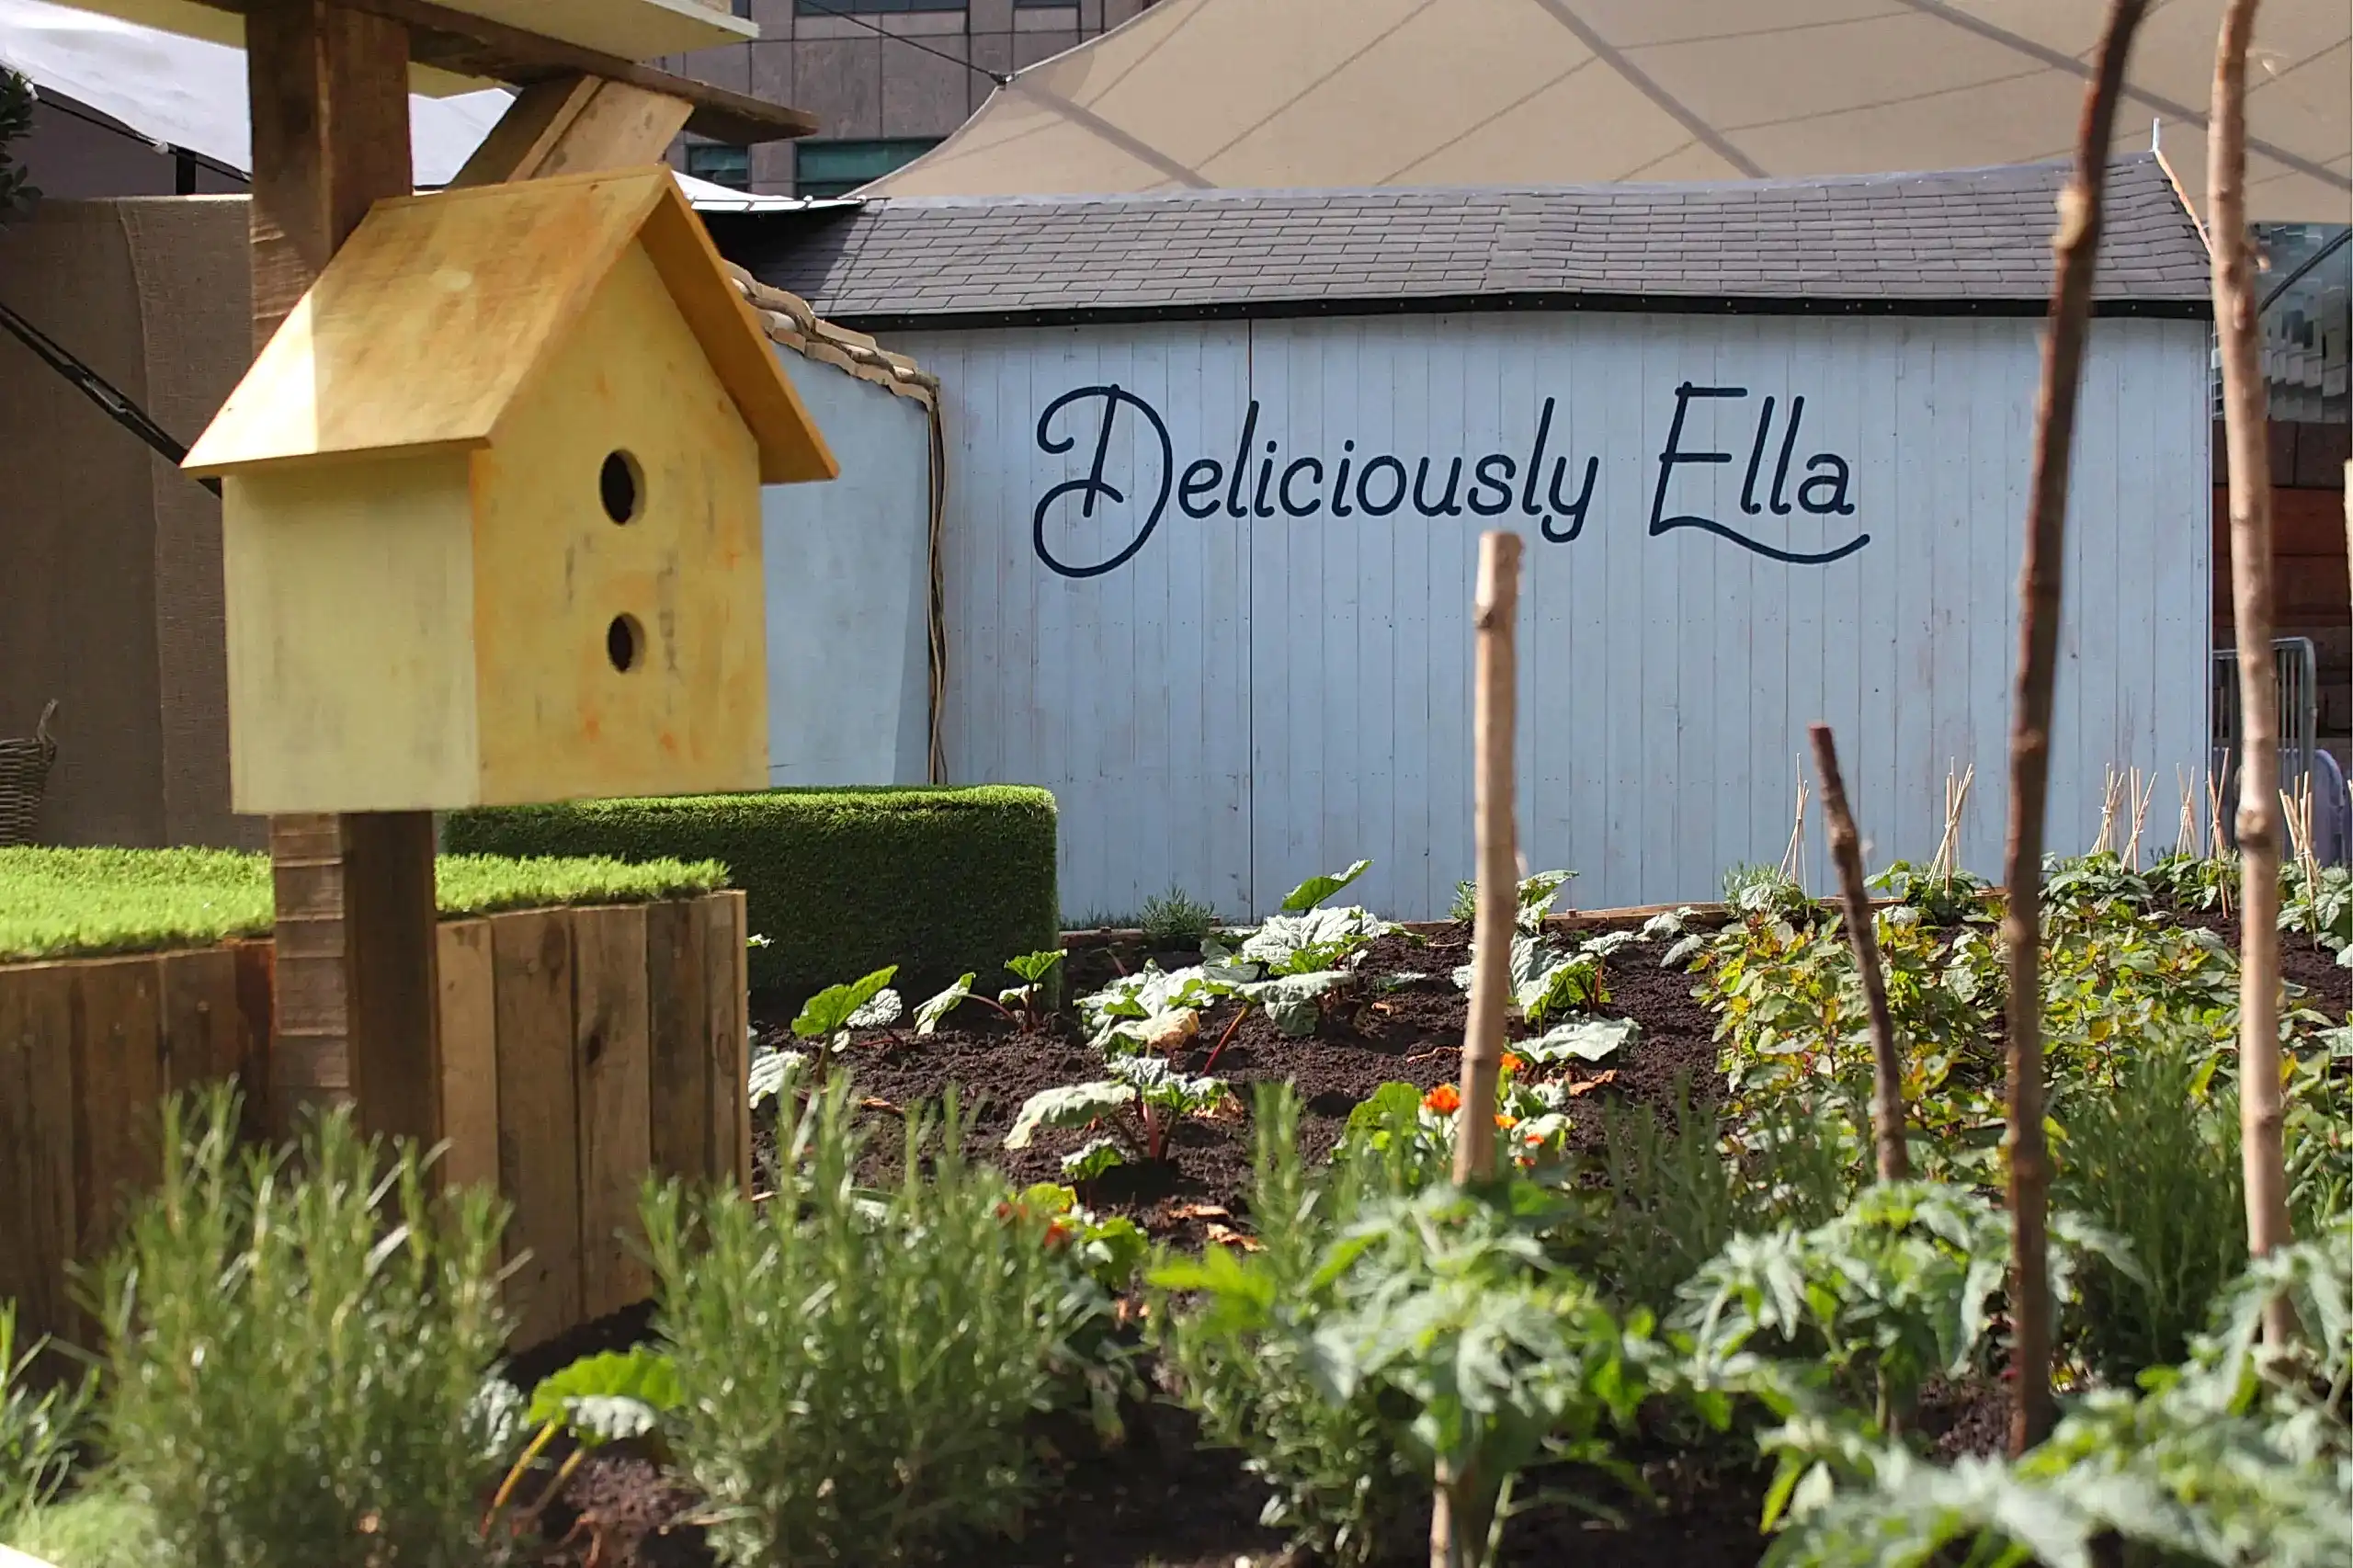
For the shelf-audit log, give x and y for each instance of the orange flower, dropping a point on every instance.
(1446, 1100)
(1533, 1140)
(1506, 1123)
(1515, 1062)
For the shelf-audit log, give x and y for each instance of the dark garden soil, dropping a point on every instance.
(2328, 986)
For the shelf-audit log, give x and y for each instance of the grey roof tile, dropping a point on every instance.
(1968, 237)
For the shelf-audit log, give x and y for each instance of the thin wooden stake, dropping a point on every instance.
(1793, 857)
(1462, 1507)
(2262, 1105)
(2076, 247)
(2139, 789)
(2184, 832)
(2112, 786)
(1948, 859)
(1847, 856)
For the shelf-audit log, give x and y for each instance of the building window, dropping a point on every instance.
(836, 169)
(721, 164)
(870, 8)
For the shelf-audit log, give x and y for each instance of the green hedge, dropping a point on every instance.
(83, 902)
(840, 881)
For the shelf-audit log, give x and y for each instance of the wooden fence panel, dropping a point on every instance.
(613, 1063)
(469, 1054)
(680, 1110)
(581, 1049)
(539, 1133)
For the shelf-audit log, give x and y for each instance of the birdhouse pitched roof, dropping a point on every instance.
(439, 310)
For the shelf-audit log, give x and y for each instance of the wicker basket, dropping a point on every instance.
(24, 774)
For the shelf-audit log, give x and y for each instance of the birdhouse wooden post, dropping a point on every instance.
(491, 518)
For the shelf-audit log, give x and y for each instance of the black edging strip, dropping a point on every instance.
(2196, 309)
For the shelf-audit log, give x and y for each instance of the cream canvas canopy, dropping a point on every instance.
(1296, 94)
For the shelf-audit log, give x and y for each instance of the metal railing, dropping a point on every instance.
(2296, 662)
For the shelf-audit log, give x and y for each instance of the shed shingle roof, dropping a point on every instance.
(1966, 240)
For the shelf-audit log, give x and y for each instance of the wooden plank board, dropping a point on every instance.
(679, 1090)
(469, 1054)
(118, 1085)
(574, 125)
(202, 1037)
(612, 1064)
(724, 985)
(538, 1135)
(38, 1237)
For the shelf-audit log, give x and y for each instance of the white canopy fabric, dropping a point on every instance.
(1303, 94)
(190, 94)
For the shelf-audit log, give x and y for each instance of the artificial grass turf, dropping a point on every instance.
(85, 902)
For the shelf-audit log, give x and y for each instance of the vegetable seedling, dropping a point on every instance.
(1144, 1099)
(596, 1400)
(1017, 1005)
(833, 1013)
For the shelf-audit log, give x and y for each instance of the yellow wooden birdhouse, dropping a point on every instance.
(491, 510)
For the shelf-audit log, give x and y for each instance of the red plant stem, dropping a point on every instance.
(2075, 246)
(1218, 1050)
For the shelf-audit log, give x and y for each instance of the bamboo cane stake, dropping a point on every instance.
(1461, 1508)
(2111, 786)
(1793, 857)
(2077, 247)
(2139, 789)
(1948, 859)
(2262, 1108)
(1847, 856)
(2184, 832)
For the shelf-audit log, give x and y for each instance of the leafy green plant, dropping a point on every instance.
(1021, 1006)
(1315, 890)
(2098, 878)
(1234, 1346)
(2320, 905)
(1766, 890)
(1145, 1098)
(1899, 1286)
(96, 1526)
(39, 1432)
(830, 1015)
(596, 1400)
(1109, 1248)
(2238, 1456)
(2152, 1158)
(856, 1370)
(1480, 1355)
(297, 1350)
(1670, 1197)
(1464, 909)
(2197, 881)
(1175, 919)
(1943, 897)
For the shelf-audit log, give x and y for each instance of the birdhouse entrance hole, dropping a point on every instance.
(621, 484)
(624, 642)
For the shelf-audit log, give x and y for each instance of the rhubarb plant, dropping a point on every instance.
(1143, 1101)
(1548, 980)
(833, 1013)
(1021, 1006)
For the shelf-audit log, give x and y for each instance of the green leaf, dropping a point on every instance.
(831, 1010)
(1586, 1039)
(929, 1016)
(1034, 967)
(771, 1071)
(1070, 1105)
(1315, 890)
(603, 1398)
(1289, 1000)
(1092, 1159)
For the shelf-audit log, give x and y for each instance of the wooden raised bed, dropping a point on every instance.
(581, 1047)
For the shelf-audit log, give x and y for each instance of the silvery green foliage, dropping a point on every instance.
(1398, 981)
(772, 1070)
(1609, 942)
(2238, 1457)
(929, 1016)
(1312, 939)
(1289, 1000)
(1583, 1039)
(1547, 978)
(1659, 927)
(1683, 952)
(1536, 895)
(1092, 1159)
(1067, 1105)
(880, 1011)
(1163, 1088)
(1151, 993)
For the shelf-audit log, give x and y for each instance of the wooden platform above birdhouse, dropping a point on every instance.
(491, 510)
